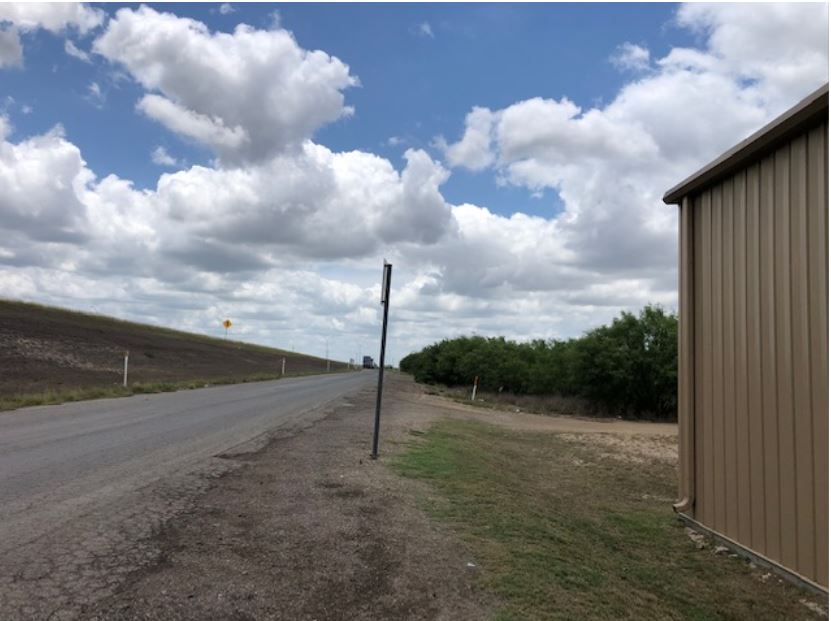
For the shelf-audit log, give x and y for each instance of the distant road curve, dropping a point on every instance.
(82, 484)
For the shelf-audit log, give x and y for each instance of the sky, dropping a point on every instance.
(179, 164)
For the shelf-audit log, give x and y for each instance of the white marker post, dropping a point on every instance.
(475, 386)
(283, 372)
(126, 360)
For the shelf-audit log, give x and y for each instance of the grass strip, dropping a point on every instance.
(14, 402)
(562, 530)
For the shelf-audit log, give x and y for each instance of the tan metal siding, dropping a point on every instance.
(728, 241)
(805, 536)
(740, 322)
(686, 345)
(756, 374)
(703, 399)
(784, 356)
(768, 349)
(717, 363)
(756, 437)
(817, 182)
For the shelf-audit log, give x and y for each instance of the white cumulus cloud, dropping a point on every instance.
(11, 50)
(474, 150)
(631, 56)
(208, 130)
(161, 157)
(52, 16)
(611, 164)
(248, 95)
(55, 17)
(71, 49)
(285, 235)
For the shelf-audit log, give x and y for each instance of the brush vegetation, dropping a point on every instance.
(626, 368)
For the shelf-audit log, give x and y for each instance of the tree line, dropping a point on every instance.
(626, 368)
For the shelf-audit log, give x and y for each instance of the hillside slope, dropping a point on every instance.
(51, 349)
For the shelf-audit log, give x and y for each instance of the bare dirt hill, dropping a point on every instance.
(51, 349)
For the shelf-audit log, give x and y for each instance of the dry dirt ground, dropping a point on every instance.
(51, 349)
(310, 528)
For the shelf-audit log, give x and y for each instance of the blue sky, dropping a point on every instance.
(414, 86)
(508, 159)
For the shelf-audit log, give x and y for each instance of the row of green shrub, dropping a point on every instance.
(628, 367)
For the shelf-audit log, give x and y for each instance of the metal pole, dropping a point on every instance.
(126, 358)
(283, 372)
(475, 386)
(385, 300)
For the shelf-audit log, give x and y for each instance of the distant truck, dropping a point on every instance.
(369, 363)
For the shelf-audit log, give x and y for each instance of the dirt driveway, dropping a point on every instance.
(310, 528)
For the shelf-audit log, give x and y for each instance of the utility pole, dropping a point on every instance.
(385, 301)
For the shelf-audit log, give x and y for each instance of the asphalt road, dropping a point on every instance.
(81, 484)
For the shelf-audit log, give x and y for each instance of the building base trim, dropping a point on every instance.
(759, 559)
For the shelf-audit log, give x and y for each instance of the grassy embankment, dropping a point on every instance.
(52, 355)
(561, 529)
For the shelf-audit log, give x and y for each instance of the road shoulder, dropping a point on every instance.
(310, 528)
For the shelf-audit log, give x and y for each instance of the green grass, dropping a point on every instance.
(105, 392)
(561, 532)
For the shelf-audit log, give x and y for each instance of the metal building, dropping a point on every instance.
(753, 343)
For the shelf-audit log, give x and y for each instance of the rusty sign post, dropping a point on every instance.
(385, 300)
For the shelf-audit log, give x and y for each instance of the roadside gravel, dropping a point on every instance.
(310, 528)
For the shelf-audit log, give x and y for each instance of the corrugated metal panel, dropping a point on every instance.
(686, 348)
(756, 437)
(741, 375)
(784, 355)
(768, 360)
(754, 315)
(818, 330)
